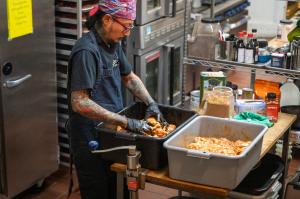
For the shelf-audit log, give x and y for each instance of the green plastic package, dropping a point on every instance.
(253, 118)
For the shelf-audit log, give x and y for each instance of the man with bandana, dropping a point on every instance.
(97, 68)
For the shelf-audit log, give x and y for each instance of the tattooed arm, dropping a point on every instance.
(82, 104)
(137, 88)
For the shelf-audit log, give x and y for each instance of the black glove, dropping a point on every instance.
(153, 111)
(137, 126)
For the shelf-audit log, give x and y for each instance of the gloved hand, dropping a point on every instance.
(153, 111)
(137, 126)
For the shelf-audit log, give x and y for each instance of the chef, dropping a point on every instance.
(97, 69)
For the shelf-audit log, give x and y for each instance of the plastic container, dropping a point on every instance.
(259, 180)
(254, 106)
(263, 87)
(205, 33)
(209, 168)
(220, 102)
(284, 27)
(290, 95)
(154, 156)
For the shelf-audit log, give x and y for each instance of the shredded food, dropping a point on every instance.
(219, 145)
(158, 129)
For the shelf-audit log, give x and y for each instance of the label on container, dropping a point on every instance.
(241, 55)
(272, 112)
(249, 58)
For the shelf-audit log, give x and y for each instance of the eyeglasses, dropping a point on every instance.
(126, 28)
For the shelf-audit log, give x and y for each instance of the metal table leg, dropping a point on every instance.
(285, 157)
(120, 185)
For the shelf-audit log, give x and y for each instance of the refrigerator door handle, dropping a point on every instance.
(16, 82)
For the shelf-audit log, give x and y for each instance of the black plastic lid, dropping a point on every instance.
(228, 84)
(234, 87)
(271, 95)
(286, 21)
(254, 30)
(210, 20)
(262, 43)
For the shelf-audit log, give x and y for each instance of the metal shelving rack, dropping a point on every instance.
(227, 65)
(70, 16)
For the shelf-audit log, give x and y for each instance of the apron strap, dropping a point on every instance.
(71, 163)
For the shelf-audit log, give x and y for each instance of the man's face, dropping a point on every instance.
(117, 28)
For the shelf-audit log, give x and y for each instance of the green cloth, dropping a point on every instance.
(253, 118)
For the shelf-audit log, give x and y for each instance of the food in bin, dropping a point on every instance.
(158, 129)
(219, 145)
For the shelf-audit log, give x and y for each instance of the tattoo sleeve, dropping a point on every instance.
(82, 104)
(137, 88)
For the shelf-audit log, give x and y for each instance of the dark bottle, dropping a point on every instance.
(231, 51)
(256, 45)
(240, 48)
(249, 50)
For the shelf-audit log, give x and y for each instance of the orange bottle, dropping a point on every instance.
(272, 107)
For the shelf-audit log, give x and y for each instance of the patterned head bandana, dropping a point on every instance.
(118, 8)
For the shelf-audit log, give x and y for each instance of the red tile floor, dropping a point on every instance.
(55, 186)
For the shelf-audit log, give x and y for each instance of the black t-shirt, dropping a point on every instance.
(84, 65)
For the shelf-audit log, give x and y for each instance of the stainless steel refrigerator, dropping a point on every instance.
(28, 110)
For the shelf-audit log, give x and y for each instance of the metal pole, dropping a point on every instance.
(253, 77)
(212, 9)
(134, 195)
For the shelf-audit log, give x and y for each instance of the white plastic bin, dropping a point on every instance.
(209, 168)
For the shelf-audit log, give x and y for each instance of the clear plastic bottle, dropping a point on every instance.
(206, 33)
(290, 95)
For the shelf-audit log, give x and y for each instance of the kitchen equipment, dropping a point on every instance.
(293, 110)
(227, 50)
(154, 156)
(209, 168)
(28, 103)
(156, 51)
(206, 34)
(151, 10)
(135, 175)
(262, 181)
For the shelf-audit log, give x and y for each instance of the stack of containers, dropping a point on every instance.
(70, 16)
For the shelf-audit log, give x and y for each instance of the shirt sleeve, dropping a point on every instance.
(83, 74)
(125, 66)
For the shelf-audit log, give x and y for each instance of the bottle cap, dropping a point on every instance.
(241, 34)
(93, 145)
(286, 21)
(271, 95)
(210, 20)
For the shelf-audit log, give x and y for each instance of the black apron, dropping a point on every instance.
(95, 178)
